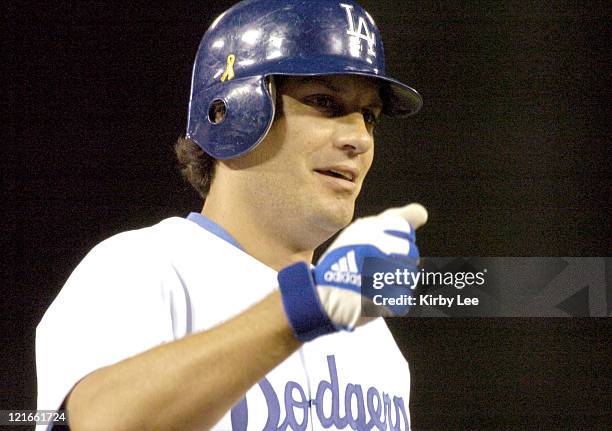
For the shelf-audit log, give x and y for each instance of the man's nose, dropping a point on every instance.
(352, 134)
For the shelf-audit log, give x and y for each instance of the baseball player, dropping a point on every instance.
(219, 320)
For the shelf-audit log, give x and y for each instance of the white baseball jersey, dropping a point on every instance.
(142, 288)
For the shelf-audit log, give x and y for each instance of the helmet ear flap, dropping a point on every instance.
(231, 118)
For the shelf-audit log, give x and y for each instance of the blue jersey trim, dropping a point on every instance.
(213, 228)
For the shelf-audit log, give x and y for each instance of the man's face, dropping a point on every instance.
(309, 169)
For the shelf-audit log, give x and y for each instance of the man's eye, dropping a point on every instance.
(324, 102)
(370, 117)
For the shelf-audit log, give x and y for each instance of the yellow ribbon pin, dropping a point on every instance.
(229, 74)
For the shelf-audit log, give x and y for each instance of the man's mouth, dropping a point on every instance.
(344, 174)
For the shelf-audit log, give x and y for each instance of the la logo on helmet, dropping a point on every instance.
(362, 32)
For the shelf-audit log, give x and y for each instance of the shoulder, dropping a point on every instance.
(126, 273)
(128, 262)
(143, 246)
(148, 258)
(142, 238)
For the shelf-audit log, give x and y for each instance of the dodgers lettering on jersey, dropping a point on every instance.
(351, 408)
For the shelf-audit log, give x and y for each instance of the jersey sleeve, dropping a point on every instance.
(115, 304)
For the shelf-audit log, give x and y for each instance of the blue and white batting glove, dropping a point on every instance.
(328, 297)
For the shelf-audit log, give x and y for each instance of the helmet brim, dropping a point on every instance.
(399, 99)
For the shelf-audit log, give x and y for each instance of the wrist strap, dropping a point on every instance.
(301, 302)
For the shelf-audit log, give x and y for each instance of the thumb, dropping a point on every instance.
(413, 213)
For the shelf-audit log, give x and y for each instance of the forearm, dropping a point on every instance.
(187, 384)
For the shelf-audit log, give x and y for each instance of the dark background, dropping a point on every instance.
(510, 154)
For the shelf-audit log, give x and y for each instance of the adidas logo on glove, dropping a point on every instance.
(344, 271)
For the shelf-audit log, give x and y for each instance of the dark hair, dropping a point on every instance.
(196, 166)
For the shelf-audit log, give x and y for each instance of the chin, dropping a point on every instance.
(338, 216)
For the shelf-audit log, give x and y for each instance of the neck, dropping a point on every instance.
(268, 240)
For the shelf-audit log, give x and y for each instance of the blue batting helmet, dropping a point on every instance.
(232, 102)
